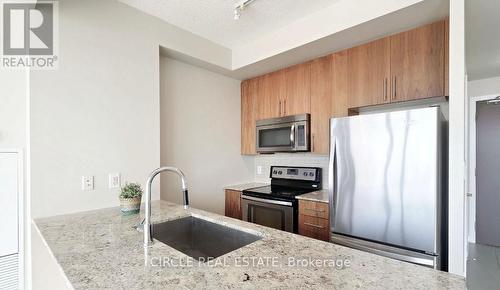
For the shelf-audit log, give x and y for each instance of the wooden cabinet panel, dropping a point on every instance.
(417, 63)
(369, 73)
(270, 93)
(248, 114)
(233, 204)
(321, 104)
(447, 57)
(298, 90)
(313, 227)
(340, 107)
(314, 209)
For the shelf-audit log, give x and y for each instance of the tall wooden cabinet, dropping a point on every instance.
(271, 89)
(298, 90)
(340, 106)
(369, 73)
(249, 89)
(407, 66)
(417, 63)
(321, 103)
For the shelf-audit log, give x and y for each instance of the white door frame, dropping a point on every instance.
(21, 212)
(471, 194)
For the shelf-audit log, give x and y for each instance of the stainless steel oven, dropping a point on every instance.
(286, 134)
(267, 212)
(275, 205)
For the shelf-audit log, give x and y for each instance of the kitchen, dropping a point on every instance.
(205, 111)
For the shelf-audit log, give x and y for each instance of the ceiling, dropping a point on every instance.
(213, 19)
(482, 41)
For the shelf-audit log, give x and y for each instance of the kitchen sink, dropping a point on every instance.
(201, 239)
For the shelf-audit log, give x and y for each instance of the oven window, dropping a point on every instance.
(276, 137)
(269, 217)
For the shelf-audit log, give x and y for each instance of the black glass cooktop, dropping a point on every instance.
(277, 192)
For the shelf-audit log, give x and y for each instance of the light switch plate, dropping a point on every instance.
(114, 180)
(259, 170)
(87, 183)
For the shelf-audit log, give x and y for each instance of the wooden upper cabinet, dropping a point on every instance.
(339, 85)
(248, 114)
(369, 70)
(417, 63)
(447, 57)
(321, 104)
(270, 94)
(298, 90)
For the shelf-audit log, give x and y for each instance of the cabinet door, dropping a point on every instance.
(339, 83)
(321, 104)
(233, 204)
(298, 90)
(417, 63)
(270, 93)
(248, 114)
(369, 73)
(447, 57)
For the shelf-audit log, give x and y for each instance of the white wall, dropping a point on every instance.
(200, 134)
(98, 113)
(457, 140)
(13, 109)
(484, 87)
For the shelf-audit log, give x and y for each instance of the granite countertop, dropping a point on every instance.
(245, 186)
(318, 196)
(100, 250)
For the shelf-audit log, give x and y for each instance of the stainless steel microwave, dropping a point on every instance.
(285, 134)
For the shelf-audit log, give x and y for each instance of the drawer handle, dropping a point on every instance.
(313, 225)
(316, 210)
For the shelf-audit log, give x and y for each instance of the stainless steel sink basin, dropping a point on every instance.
(201, 239)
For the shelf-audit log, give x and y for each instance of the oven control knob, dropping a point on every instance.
(305, 173)
(311, 173)
(280, 172)
(274, 172)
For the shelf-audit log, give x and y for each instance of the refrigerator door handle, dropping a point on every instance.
(333, 186)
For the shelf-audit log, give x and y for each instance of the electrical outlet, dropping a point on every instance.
(87, 183)
(114, 180)
(259, 170)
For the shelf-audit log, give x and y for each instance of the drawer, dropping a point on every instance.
(313, 227)
(314, 209)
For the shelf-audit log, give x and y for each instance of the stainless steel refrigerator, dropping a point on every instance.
(387, 186)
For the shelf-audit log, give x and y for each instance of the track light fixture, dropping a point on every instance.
(240, 7)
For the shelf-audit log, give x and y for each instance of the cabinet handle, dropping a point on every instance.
(312, 142)
(316, 210)
(395, 88)
(385, 89)
(313, 225)
(280, 109)
(284, 107)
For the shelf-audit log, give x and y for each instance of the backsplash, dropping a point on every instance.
(290, 159)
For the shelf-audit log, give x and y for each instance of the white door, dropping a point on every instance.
(9, 217)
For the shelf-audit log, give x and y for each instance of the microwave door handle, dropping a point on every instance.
(292, 136)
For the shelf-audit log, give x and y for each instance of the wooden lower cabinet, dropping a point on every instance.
(233, 204)
(314, 220)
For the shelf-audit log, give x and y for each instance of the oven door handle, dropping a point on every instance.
(270, 201)
(292, 136)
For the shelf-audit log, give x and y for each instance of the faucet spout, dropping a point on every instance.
(148, 237)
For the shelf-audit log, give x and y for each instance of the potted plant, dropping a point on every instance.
(130, 198)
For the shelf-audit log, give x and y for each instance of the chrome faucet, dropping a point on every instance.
(148, 238)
